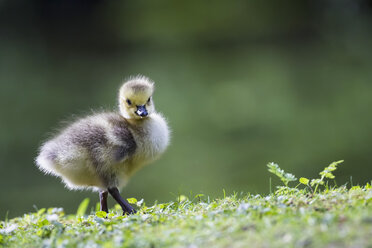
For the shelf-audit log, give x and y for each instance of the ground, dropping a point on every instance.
(337, 217)
(311, 214)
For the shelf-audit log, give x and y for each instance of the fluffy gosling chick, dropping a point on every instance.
(101, 152)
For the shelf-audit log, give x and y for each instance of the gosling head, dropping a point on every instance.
(135, 98)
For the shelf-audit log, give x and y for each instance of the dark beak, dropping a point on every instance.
(141, 111)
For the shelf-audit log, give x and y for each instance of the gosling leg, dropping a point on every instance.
(127, 208)
(103, 200)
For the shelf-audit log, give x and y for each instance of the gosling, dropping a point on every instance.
(102, 151)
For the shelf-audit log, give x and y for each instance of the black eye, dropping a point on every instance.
(129, 102)
(148, 101)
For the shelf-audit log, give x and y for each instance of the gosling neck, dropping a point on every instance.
(139, 121)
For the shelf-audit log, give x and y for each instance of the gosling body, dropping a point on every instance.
(102, 151)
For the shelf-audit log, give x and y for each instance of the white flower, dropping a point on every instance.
(52, 217)
(9, 229)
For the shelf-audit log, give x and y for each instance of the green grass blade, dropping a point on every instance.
(83, 207)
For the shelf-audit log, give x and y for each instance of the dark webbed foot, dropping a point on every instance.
(127, 208)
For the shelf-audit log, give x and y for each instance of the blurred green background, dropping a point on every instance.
(242, 83)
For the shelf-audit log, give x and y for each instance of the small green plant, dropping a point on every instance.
(288, 177)
(326, 173)
(284, 177)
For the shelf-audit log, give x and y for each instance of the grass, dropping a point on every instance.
(290, 217)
